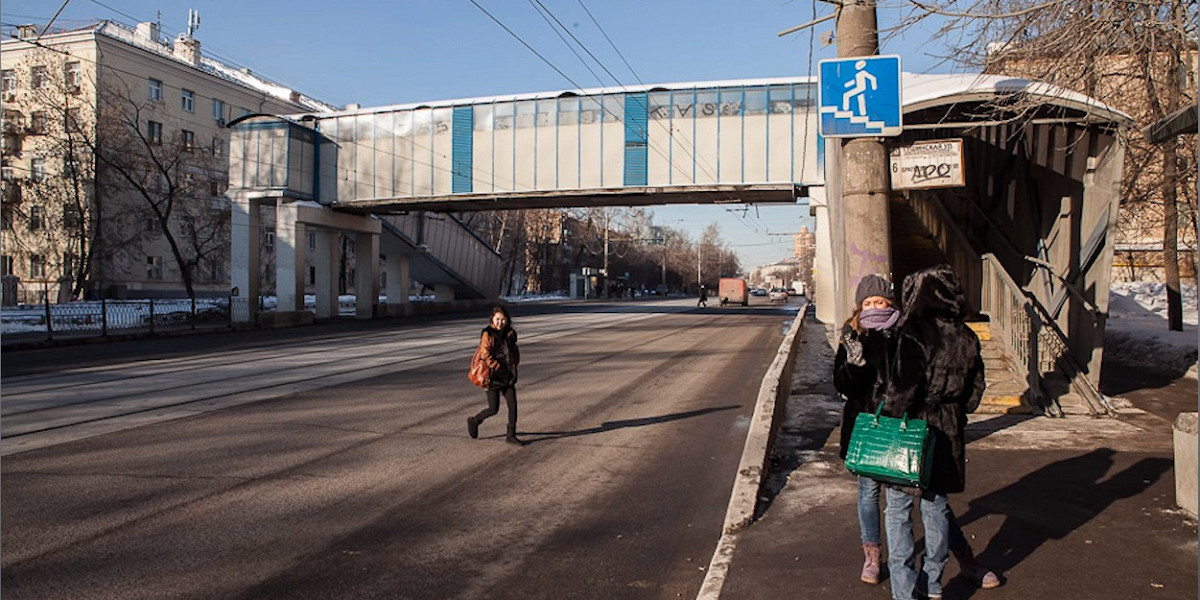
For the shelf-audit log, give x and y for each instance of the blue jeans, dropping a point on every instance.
(935, 515)
(868, 510)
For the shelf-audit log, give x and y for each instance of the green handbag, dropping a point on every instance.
(890, 450)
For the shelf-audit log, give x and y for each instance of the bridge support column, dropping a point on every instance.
(244, 255)
(366, 270)
(290, 246)
(443, 293)
(399, 279)
(325, 260)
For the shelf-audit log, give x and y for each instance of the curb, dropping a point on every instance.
(772, 397)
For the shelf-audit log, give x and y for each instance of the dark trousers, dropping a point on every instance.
(493, 400)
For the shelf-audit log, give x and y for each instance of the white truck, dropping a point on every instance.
(798, 285)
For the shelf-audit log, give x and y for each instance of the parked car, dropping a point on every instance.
(777, 295)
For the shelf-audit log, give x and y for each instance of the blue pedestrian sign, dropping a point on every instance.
(860, 97)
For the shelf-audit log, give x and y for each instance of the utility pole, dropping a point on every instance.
(866, 185)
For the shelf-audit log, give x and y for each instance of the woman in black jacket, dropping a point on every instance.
(498, 348)
(860, 374)
(937, 376)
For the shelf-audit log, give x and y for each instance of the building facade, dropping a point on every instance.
(115, 162)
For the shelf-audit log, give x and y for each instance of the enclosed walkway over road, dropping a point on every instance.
(370, 173)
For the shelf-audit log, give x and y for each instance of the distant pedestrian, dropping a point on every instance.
(703, 302)
(861, 372)
(498, 349)
(937, 375)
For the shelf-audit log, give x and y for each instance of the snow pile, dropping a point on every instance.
(1136, 333)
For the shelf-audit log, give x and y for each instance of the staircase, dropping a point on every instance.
(1006, 392)
(913, 249)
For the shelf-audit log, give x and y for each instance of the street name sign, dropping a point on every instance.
(928, 164)
(860, 96)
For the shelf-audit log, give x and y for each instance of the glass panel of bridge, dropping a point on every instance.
(683, 125)
(422, 152)
(755, 137)
(546, 149)
(707, 124)
(658, 139)
(568, 176)
(482, 151)
(613, 140)
(779, 129)
(730, 139)
(503, 136)
(384, 147)
(442, 157)
(591, 142)
(402, 169)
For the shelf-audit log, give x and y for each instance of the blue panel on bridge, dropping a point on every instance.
(636, 121)
(461, 148)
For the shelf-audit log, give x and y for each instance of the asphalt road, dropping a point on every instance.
(334, 462)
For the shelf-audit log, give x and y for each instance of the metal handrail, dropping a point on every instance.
(1022, 326)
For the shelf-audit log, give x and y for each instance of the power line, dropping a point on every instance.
(610, 42)
(542, 14)
(527, 46)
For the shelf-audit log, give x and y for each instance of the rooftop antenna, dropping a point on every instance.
(193, 22)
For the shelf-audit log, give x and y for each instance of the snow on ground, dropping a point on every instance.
(1136, 333)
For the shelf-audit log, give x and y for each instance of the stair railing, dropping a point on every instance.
(1019, 323)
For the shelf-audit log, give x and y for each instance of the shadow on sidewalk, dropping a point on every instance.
(611, 425)
(1050, 503)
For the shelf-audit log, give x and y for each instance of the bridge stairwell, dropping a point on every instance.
(914, 248)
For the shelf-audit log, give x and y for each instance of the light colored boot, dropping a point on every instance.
(870, 570)
(980, 574)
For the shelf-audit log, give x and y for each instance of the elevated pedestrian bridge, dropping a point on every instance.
(749, 141)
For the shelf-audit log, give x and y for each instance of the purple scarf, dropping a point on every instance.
(878, 318)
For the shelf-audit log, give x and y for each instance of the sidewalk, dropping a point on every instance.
(1072, 508)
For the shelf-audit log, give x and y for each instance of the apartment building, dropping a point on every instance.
(115, 165)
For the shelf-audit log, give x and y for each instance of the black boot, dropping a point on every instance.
(473, 427)
(512, 436)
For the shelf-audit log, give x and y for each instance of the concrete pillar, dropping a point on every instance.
(325, 259)
(1185, 462)
(244, 257)
(366, 268)
(290, 246)
(398, 278)
(442, 292)
(866, 183)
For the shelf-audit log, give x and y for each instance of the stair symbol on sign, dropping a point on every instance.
(852, 117)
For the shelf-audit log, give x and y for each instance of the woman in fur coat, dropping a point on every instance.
(937, 375)
(498, 348)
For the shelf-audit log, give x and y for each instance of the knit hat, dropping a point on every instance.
(872, 285)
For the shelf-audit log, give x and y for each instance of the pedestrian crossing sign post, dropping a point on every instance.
(860, 96)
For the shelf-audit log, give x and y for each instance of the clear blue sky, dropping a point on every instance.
(387, 52)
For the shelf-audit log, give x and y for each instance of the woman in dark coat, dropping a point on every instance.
(498, 348)
(937, 376)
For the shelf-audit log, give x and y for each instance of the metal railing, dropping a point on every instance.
(99, 318)
(1019, 323)
(452, 244)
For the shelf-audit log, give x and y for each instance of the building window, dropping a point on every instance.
(218, 111)
(70, 218)
(151, 224)
(37, 169)
(187, 100)
(37, 266)
(269, 240)
(6, 213)
(37, 122)
(214, 188)
(218, 146)
(37, 217)
(153, 267)
(312, 240)
(154, 132)
(72, 76)
(154, 90)
(71, 163)
(189, 140)
(39, 78)
(8, 80)
(7, 172)
(312, 275)
(6, 265)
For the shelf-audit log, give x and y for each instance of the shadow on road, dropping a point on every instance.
(612, 425)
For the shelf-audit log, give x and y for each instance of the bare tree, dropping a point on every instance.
(1137, 56)
(171, 183)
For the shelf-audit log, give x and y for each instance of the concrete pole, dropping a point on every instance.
(244, 257)
(325, 259)
(866, 185)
